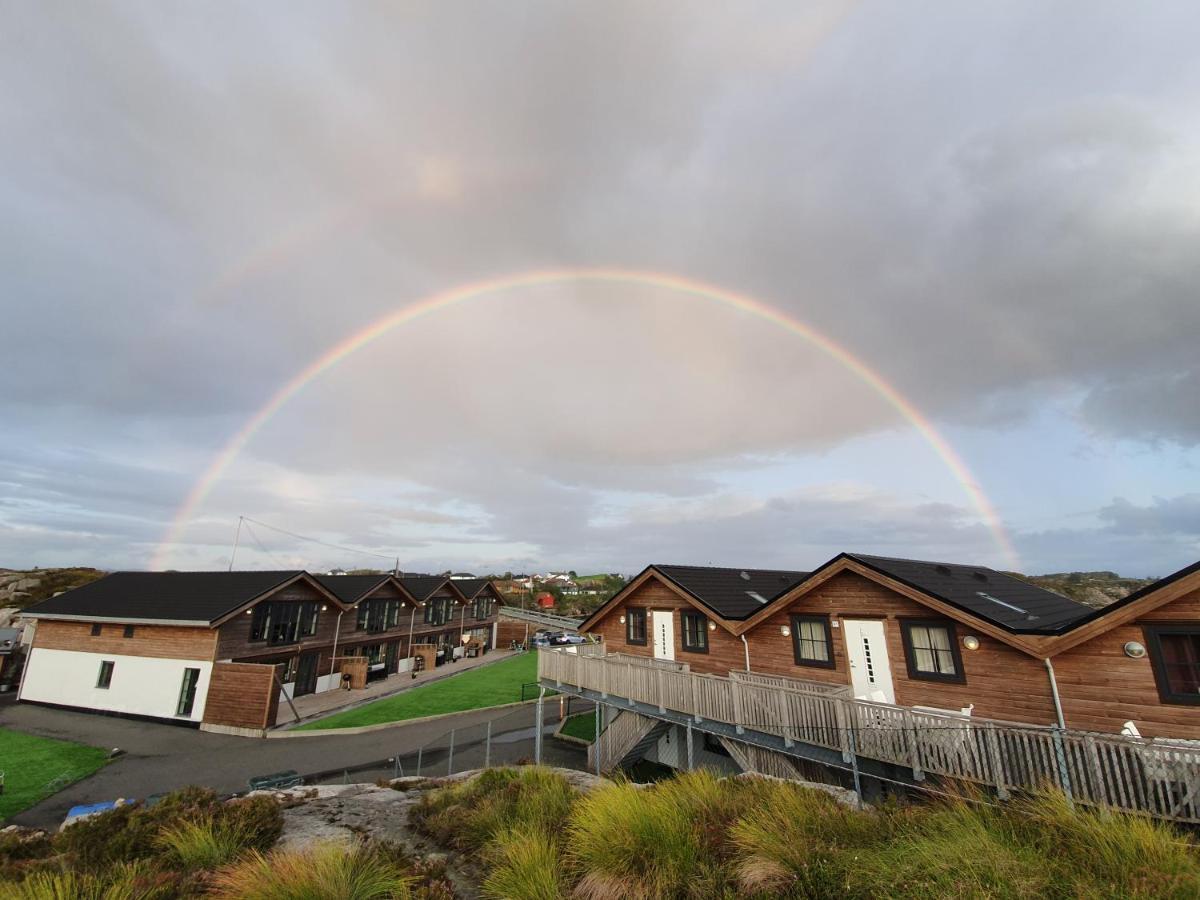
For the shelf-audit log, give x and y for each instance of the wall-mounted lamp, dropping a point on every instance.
(712, 626)
(324, 607)
(622, 620)
(785, 630)
(248, 612)
(971, 642)
(1135, 650)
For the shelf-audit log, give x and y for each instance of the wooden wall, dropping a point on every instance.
(161, 641)
(1001, 681)
(1102, 688)
(242, 695)
(725, 652)
(234, 642)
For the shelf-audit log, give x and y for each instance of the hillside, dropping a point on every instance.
(1095, 589)
(22, 588)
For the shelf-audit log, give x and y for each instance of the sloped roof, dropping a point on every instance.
(471, 587)
(198, 597)
(351, 588)
(1139, 594)
(732, 593)
(1011, 603)
(422, 587)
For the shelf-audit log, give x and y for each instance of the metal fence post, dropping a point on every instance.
(487, 747)
(691, 758)
(537, 726)
(450, 755)
(596, 740)
(420, 750)
(853, 744)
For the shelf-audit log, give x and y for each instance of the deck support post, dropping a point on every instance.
(691, 753)
(487, 747)
(537, 726)
(599, 733)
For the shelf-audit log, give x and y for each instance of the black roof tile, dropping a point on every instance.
(471, 587)
(163, 596)
(351, 588)
(422, 587)
(732, 593)
(1011, 603)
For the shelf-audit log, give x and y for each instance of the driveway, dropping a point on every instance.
(160, 758)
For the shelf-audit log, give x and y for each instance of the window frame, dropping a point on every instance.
(187, 692)
(1153, 636)
(483, 607)
(693, 614)
(128, 632)
(823, 620)
(104, 678)
(638, 612)
(97, 628)
(910, 656)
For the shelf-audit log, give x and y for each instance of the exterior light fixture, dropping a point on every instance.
(1135, 649)
(248, 612)
(785, 630)
(324, 607)
(622, 620)
(712, 626)
(971, 642)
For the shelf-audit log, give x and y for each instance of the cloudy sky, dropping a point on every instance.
(993, 207)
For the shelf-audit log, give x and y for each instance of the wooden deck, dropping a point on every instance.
(1161, 778)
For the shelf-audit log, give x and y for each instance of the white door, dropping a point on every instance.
(664, 634)
(870, 673)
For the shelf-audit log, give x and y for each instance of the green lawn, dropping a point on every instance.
(491, 685)
(36, 767)
(581, 725)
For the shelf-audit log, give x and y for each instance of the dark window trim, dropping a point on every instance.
(796, 619)
(630, 612)
(910, 661)
(187, 692)
(128, 631)
(1152, 634)
(96, 628)
(106, 668)
(683, 642)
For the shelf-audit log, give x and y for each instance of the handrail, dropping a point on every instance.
(1132, 774)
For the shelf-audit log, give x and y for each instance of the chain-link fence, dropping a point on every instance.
(510, 738)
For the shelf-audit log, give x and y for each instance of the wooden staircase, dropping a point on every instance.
(628, 737)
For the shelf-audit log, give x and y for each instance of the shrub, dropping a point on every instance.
(469, 814)
(524, 864)
(131, 881)
(359, 872)
(202, 845)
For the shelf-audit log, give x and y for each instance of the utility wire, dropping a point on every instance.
(312, 540)
(263, 548)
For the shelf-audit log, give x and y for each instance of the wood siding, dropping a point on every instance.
(160, 641)
(725, 651)
(1001, 681)
(233, 641)
(1102, 688)
(242, 695)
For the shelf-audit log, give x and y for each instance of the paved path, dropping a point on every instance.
(163, 757)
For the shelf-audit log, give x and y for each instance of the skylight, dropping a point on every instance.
(756, 596)
(986, 596)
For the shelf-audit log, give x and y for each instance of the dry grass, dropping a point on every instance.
(323, 872)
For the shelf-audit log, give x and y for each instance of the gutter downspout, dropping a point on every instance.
(411, 619)
(1054, 693)
(746, 644)
(336, 633)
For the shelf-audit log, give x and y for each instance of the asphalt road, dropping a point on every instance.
(160, 758)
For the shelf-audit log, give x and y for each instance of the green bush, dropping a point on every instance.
(469, 814)
(359, 872)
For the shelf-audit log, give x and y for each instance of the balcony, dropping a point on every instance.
(823, 722)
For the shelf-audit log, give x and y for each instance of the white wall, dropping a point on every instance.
(141, 685)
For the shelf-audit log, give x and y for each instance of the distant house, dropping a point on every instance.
(545, 601)
(221, 648)
(10, 648)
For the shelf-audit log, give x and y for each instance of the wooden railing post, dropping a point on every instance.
(912, 743)
(658, 687)
(997, 760)
(785, 718)
(735, 688)
(1101, 791)
(695, 683)
(629, 683)
(841, 713)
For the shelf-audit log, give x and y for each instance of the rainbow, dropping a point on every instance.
(476, 290)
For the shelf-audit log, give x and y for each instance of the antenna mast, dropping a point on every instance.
(237, 537)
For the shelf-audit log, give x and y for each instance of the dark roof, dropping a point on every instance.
(471, 587)
(1139, 594)
(732, 593)
(1011, 603)
(163, 596)
(422, 587)
(351, 588)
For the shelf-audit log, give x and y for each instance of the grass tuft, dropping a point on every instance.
(321, 872)
(524, 864)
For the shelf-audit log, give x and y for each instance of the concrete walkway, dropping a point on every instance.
(159, 758)
(312, 706)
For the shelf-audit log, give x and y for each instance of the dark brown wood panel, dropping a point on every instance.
(242, 695)
(160, 641)
(1102, 688)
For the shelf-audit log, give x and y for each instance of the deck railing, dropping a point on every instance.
(1158, 777)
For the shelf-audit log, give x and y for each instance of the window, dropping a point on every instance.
(96, 629)
(635, 626)
(393, 613)
(1175, 656)
(106, 670)
(931, 650)
(695, 632)
(812, 643)
(483, 607)
(283, 623)
(437, 610)
(187, 692)
(128, 631)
